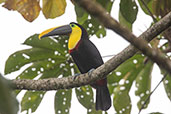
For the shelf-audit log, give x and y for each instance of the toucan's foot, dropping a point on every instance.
(90, 71)
(77, 74)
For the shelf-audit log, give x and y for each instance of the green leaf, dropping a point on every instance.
(63, 101)
(149, 5)
(82, 15)
(129, 10)
(94, 27)
(167, 86)
(50, 49)
(129, 67)
(8, 102)
(20, 58)
(143, 84)
(52, 73)
(31, 100)
(85, 97)
(122, 102)
(53, 8)
(122, 90)
(124, 22)
(107, 4)
(121, 81)
(93, 111)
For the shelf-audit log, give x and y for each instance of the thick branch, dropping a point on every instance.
(99, 73)
(100, 13)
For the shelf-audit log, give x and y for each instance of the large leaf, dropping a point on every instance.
(31, 100)
(49, 50)
(53, 8)
(167, 86)
(129, 10)
(122, 78)
(120, 82)
(20, 58)
(122, 102)
(85, 97)
(143, 84)
(121, 93)
(43, 68)
(123, 71)
(148, 4)
(8, 102)
(29, 9)
(124, 22)
(63, 101)
(47, 58)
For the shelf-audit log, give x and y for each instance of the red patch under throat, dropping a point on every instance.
(74, 49)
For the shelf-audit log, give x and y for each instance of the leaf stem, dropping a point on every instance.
(150, 13)
(152, 93)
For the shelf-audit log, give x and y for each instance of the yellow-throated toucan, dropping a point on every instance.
(86, 57)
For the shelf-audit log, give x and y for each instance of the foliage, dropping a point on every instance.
(8, 102)
(53, 8)
(156, 113)
(121, 80)
(49, 58)
(167, 86)
(92, 24)
(30, 9)
(63, 101)
(54, 61)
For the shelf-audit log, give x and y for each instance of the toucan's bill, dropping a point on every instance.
(62, 30)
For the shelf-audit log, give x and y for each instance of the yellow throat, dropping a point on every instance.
(75, 37)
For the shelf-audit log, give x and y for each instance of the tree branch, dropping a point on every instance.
(100, 72)
(101, 14)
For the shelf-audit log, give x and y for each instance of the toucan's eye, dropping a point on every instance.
(72, 25)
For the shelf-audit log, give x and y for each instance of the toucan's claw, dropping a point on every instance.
(76, 75)
(90, 71)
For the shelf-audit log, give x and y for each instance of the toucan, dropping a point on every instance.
(86, 56)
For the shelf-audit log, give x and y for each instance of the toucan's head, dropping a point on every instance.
(75, 31)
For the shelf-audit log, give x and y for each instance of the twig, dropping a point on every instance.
(152, 93)
(150, 13)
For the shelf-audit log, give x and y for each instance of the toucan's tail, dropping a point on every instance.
(103, 99)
